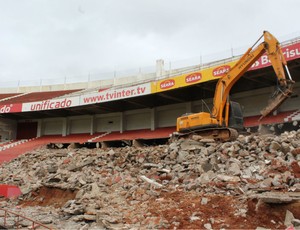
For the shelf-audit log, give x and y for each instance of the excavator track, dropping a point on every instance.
(220, 134)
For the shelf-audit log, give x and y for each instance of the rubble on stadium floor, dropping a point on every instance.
(252, 182)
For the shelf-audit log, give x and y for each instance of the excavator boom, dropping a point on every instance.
(272, 47)
(223, 113)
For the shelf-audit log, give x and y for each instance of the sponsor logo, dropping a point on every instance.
(221, 70)
(194, 77)
(45, 105)
(167, 84)
(264, 61)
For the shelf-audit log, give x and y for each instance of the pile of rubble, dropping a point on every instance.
(133, 187)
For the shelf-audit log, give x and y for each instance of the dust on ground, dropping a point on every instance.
(191, 209)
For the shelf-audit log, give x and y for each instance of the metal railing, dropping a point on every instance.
(12, 220)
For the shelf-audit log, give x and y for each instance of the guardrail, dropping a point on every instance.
(12, 220)
(13, 144)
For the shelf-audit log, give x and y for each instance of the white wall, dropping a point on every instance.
(138, 119)
(52, 126)
(80, 124)
(167, 115)
(253, 102)
(108, 122)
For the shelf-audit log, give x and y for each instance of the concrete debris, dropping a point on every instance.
(144, 178)
(296, 222)
(204, 200)
(290, 222)
(208, 226)
(115, 188)
(278, 197)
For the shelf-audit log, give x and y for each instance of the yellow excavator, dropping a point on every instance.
(226, 119)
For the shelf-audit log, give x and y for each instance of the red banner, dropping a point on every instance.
(11, 108)
(290, 52)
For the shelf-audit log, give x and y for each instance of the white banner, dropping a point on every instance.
(51, 104)
(115, 94)
(86, 99)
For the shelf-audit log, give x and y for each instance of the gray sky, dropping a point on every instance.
(56, 38)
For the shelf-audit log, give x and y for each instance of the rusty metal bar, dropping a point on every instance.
(35, 224)
(5, 215)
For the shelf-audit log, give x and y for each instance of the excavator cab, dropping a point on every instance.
(236, 119)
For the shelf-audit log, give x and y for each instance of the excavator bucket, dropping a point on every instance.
(281, 96)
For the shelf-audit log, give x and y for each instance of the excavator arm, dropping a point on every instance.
(272, 47)
(226, 117)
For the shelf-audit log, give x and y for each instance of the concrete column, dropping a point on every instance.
(93, 125)
(122, 122)
(65, 128)
(160, 71)
(39, 128)
(153, 119)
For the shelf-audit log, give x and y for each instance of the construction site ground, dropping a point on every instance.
(250, 183)
(186, 210)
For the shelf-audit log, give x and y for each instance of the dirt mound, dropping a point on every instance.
(190, 210)
(46, 196)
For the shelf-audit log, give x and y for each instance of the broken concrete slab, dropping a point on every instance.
(278, 197)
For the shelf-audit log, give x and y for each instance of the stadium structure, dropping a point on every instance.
(141, 109)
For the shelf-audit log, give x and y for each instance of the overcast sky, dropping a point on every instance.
(57, 38)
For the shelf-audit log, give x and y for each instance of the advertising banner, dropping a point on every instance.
(115, 94)
(191, 78)
(50, 104)
(85, 99)
(290, 52)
